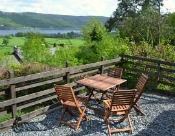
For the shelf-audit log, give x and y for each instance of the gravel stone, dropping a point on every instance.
(159, 120)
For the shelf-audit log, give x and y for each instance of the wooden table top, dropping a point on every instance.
(101, 82)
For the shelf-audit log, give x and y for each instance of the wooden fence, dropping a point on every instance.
(161, 73)
(35, 92)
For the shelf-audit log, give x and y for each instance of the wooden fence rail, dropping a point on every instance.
(36, 90)
(159, 72)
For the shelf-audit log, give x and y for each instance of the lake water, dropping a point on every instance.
(7, 32)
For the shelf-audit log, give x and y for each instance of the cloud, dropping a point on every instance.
(64, 7)
(69, 7)
(169, 5)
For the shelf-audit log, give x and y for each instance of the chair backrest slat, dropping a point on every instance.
(65, 93)
(140, 85)
(141, 82)
(121, 98)
(115, 72)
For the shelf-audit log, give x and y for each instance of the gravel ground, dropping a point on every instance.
(159, 120)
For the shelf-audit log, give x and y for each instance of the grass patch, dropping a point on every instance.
(73, 42)
(5, 117)
(20, 41)
(13, 41)
(8, 116)
(166, 87)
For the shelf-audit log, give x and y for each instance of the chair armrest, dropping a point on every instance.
(129, 90)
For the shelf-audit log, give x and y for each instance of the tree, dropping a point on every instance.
(144, 4)
(149, 26)
(171, 19)
(100, 43)
(94, 31)
(5, 41)
(133, 15)
(126, 8)
(131, 8)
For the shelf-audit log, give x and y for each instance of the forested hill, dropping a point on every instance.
(9, 20)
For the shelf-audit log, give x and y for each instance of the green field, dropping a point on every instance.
(14, 41)
(19, 41)
(74, 42)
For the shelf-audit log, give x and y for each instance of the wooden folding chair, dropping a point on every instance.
(70, 102)
(112, 72)
(115, 72)
(120, 104)
(140, 85)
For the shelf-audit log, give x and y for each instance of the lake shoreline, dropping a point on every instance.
(42, 31)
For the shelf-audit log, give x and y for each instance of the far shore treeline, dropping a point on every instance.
(52, 35)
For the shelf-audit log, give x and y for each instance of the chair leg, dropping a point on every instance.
(137, 109)
(106, 119)
(95, 96)
(81, 111)
(106, 114)
(78, 123)
(82, 114)
(70, 112)
(117, 130)
(104, 93)
(102, 96)
(62, 116)
(130, 126)
(108, 126)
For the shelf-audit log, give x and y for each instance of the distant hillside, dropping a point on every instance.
(10, 20)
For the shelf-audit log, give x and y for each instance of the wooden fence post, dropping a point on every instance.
(67, 77)
(101, 69)
(13, 95)
(121, 62)
(158, 75)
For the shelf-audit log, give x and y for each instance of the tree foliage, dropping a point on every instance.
(139, 20)
(163, 51)
(130, 8)
(63, 55)
(5, 41)
(94, 31)
(171, 17)
(100, 43)
(35, 49)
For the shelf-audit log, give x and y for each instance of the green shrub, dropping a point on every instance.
(35, 49)
(162, 51)
(101, 43)
(62, 55)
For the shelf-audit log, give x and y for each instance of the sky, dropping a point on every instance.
(69, 7)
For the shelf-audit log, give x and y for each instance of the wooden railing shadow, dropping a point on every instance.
(95, 125)
(150, 98)
(50, 120)
(162, 125)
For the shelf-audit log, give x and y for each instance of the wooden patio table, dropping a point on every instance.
(100, 82)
